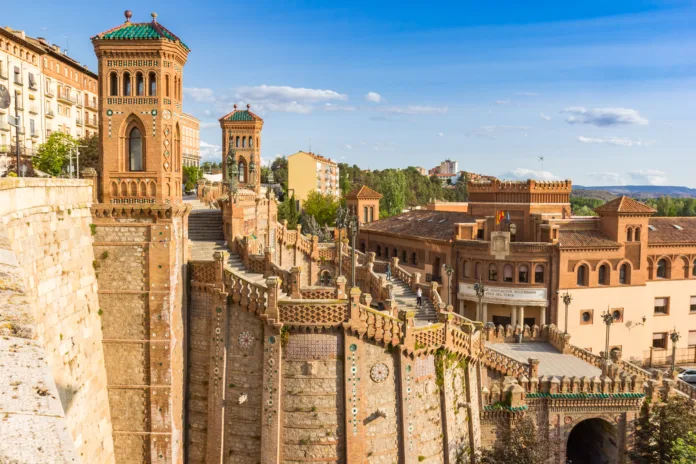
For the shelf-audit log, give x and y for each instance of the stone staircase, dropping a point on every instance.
(205, 225)
(406, 299)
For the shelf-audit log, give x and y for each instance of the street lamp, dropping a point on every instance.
(567, 298)
(448, 270)
(480, 293)
(232, 169)
(252, 174)
(674, 336)
(341, 222)
(608, 319)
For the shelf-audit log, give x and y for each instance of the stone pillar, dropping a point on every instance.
(415, 281)
(514, 318)
(521, 319)
(216, 378)
(484, 316)
(91, 175)
(533, 368)
(409, 414)
(462, 305)
(273, 285)
(297, 254)
(542, 316)
(219, 257)
(295, 282)
(271, 419)
(314, 261)
(267, 261)
(341, 287)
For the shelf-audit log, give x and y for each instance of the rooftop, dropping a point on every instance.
(140, 31)
(626, 205)
(585, 239)
(433, 225)
(363, 192)
(551, 361)
(241, 115)
(672, 230)
(316, 157)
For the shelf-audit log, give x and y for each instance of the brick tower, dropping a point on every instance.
(140, 232)
(140, 93)
(241, 130)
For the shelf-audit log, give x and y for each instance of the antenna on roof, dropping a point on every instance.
(310, 144)
(541, 160)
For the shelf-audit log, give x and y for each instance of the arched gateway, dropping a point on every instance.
(592, 441)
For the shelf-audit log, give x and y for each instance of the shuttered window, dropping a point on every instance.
(692, 337)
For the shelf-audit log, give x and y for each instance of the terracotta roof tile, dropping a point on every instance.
(363, 192)
(624, 204)
(434, 225)
(585, 239)
(663, 230)
(240, 115)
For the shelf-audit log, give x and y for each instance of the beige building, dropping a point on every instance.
(54, 93)
(190, 140)
(309, 171)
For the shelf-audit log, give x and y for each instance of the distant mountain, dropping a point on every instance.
(637, 191)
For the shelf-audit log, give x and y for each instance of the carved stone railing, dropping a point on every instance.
(686, 388)
(586, 356)
(249, 295)
(503, 364)
(429, 338)
(375, 325)
(317, 293)
(559, 339)
(256, 264)
(283, 275)
(324, 314)
(633, 369)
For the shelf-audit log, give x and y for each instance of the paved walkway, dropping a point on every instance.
(406, 299)
(551, 362)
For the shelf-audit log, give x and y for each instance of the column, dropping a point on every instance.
(542, 312)
(514, 317)
(484, 318)
(521, 319)
(461, 307)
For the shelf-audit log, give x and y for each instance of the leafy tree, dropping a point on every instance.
(584, 211)
(684, 449)
(658, 429)
(53, 154)
(279, 166)
(321, 207)
(206, 166)
(519, 443)
(287, 210)
(191, 175)
(393, 193)
(89, 152)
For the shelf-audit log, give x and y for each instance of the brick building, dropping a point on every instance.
(191, 142)
(364, 202)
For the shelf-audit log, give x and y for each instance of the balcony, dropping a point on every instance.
(33, 109)
(20, 105)
(34, 134)
(92, 105)
(4, 126)
(50, 92)
(79, 102)
(18, 80)
(3, 73)
(79, 121)
(92, 122)
(50, 113)
(33, 86)
(67, 97)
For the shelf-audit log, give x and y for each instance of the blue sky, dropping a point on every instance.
(601, 90)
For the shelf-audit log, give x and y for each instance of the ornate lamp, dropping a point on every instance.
(674, 336)
(449, 270)
(608, 319)
(232, 170)
(480, 290)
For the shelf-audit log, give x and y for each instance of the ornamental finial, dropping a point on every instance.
(154, 17)
(128, 14)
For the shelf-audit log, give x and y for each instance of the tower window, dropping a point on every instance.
(126, 84)
(661, 269)
(113, 84)
(153, 84)
(242, 171)
(139, 84)
(602, 278)
(166, 86)
(623, 274)
(135, 150)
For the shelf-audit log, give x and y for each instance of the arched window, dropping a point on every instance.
(636, 236)
(539, 274)
(507, 273)
(693, 269)
(251, 142)
(244, 142)
(166, 86)
(177, 149)
(126, 84)
(113, 84)
(139, 84)
(623, 274)
(582, 276)
(326, 279)
(395, 253)
(153, 84)
(662, 269)
(413, 258)
(523, 274)
(629, 234)
(492, 272)
(477, 271)
(386, 252)
(379, 251)
(404, 256)
(465, 268)
(135, 150)
(365, 214)
(603, 277)
(237, 143)
(372, 215)
(242, 171)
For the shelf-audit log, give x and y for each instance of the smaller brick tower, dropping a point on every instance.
(140, 93)
(364, 202)
(241, 130)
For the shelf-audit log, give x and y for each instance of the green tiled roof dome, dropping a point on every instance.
(140, 31)
(241, 115)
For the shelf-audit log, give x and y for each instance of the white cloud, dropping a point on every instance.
(286, 99)
(603, 117)
(648, 176)
(209, 124)
(544, 117)
(416, 109)
(347, 146)
(332, 107)
(502, 102)
(528, 94)
(210, 152)
(616, 141)
(199, 94)
(606, 178)
(440, 134)
(524, 174)
(206, 112)
(494, 131)
(374, 97)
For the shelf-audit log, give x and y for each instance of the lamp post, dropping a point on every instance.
(567, 298)
(252, 174)
(232, 169)
(480, 293)
(674, 336)
(608, 319)
(353, 223)
(341, 222)
(448, 270)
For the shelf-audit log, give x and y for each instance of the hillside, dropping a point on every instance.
(635, 191)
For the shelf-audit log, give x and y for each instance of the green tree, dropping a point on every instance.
(584, 211)
(53, 154)
(659, 427)
(287, 210)
(191, 175)
(206, 166)
(519, 443)
(393, 190)
(684, 449)
(279, 166)
(321, 207)
(89, 152)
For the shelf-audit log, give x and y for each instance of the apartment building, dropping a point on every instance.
(308, 171)
(53, 92)
(190, 141)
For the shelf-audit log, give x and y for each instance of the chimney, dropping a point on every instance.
(65, 52)
(56, 48)
(42, 40)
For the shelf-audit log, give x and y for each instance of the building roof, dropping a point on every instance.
(585, 239)
(672, 230)
(433, 225)
(140, 31)
(241, 115)
(624, 204)
(316, 157)
(363, 192)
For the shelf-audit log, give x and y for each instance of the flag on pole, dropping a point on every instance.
(500, 215)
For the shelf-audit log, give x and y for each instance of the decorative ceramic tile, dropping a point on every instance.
(312, 346)
(425, 366)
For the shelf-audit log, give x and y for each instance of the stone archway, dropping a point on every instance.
(593, 441)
